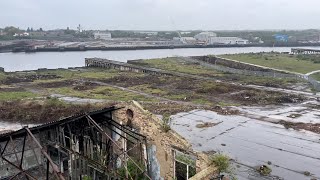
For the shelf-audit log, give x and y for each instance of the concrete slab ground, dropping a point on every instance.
(252, 143)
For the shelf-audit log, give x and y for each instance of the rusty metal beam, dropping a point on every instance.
(5, 146)
(21, 170)
(54, 166)
(106, 135)
(21, 161)
(22, 153)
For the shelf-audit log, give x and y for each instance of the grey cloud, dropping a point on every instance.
(161, 14)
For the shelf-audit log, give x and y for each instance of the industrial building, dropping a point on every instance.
(205, 36)
(227, 40)
(102, 35)
(210, 38)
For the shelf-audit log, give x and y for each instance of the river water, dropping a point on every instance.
(32, 61)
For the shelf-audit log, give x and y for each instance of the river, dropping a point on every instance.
(32, 61)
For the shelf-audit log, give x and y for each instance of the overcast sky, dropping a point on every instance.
(161, 14)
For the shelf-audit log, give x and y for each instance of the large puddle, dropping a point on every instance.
(252, 143)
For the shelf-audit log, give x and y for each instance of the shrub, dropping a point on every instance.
(166, 122)
(221, 162)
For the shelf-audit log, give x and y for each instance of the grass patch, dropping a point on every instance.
(316, 76)
(9, 96)
(147, 88)
(88, 73)
(214, 88)
(2, 76)
(202, 101)
(41, 111)
(225, 104)
(278, 61)
(103, 92)
(262, 81)
(178, 65)
(179, 97)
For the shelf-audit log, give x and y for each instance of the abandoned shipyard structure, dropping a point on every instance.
(123, 142)
(92, 145)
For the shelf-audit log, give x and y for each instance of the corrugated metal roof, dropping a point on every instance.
(60, 121)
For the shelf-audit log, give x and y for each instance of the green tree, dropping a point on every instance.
(11, 30)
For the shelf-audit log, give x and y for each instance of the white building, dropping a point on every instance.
(21, 34)
(185, 40)
(205, 36)
(102, 35)
(227, 40)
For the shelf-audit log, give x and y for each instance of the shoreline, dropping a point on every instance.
(126, 48)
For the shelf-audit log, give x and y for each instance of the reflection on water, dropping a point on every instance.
(32, 61)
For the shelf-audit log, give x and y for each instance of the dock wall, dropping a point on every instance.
(105, 63)
(217, 63)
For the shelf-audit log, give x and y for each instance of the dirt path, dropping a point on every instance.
(313, 72)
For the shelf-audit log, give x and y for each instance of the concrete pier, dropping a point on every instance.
(105, 63)
(305, 51)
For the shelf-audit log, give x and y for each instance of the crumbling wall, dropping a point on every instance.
(165, 142)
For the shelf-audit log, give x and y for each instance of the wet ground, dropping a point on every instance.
(306, 112)
(253, 143)
(76, 100)
(8, 126)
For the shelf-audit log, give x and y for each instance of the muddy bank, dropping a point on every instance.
(299, 125)
(171, 108)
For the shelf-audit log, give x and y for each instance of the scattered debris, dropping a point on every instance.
(299, 125)
(294, 115)
(307, 173)
(206, 124)
(264, 170)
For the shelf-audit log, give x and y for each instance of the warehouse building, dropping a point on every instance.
(227, 40)
(102, 35)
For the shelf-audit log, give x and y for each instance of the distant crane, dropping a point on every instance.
(79, 28)
(181, 38)
(179, 34)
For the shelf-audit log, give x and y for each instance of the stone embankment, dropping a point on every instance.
(237, 67)
(217, 63)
